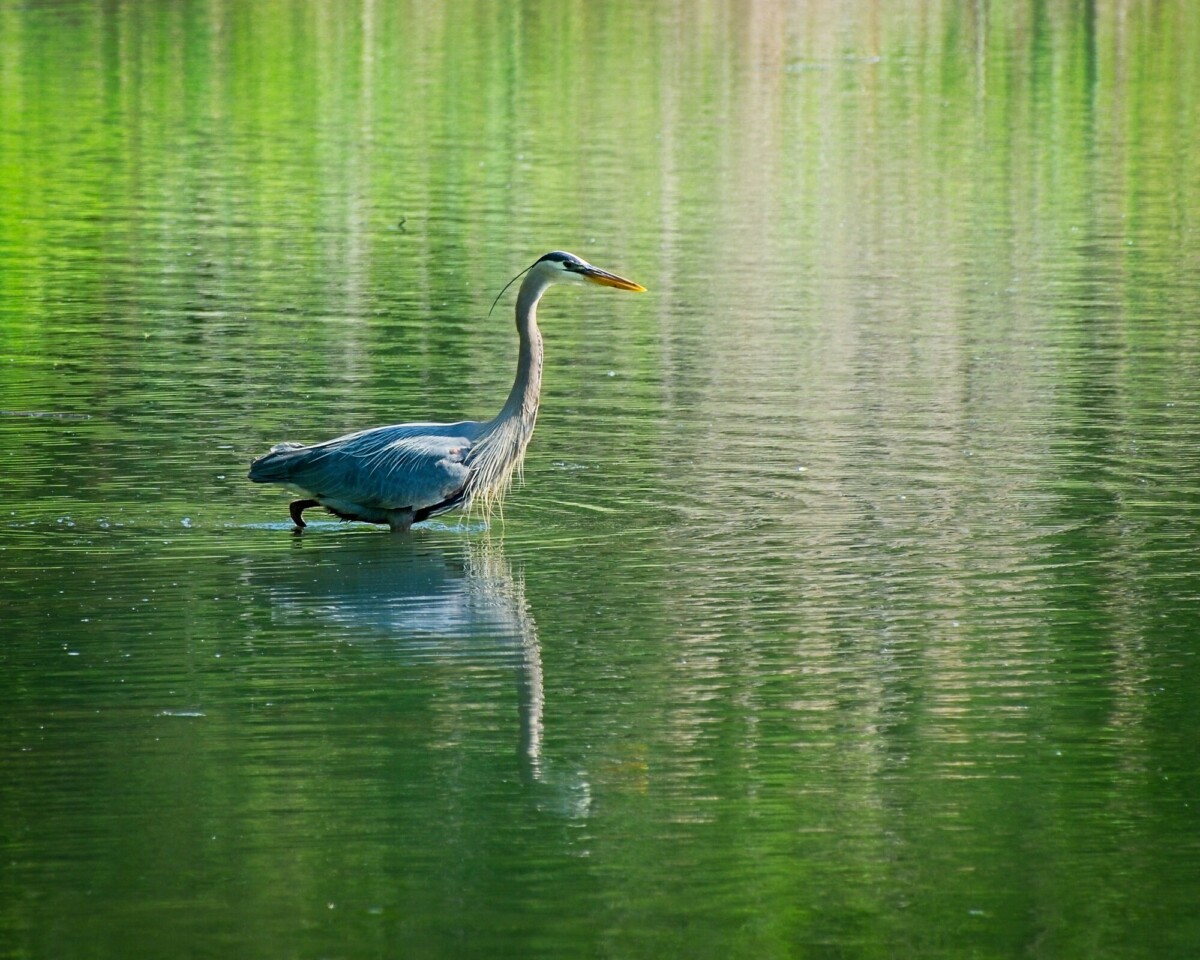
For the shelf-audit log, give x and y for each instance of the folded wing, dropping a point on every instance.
(410, 466)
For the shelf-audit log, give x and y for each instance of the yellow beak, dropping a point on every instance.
(606, 279)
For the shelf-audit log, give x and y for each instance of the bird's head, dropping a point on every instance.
(562, 267)
(566, 267)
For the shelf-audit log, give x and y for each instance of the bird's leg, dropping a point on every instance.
(297, 509)
(400, 521)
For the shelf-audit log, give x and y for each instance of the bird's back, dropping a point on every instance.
(405, 466)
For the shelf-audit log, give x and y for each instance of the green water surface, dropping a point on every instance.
(851, 604)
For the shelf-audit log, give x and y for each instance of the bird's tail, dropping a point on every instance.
(275, 465)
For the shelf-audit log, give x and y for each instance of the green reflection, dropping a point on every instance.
(858, 557)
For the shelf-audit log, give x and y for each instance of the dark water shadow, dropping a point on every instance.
(455, 605)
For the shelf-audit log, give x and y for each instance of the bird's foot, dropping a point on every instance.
(297, 509)
(401, 521)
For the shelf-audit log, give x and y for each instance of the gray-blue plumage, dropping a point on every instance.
(373, 475)
(405, 473)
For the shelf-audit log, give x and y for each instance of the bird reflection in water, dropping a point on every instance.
(460, 606)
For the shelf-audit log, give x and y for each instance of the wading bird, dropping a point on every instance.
(408, 472)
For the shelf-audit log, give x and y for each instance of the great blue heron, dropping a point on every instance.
(408, 472)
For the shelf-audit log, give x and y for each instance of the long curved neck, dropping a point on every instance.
(527, 386)
(500, 450)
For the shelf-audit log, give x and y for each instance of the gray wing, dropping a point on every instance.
(412, 465)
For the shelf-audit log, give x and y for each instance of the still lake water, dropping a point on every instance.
(851, 607)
